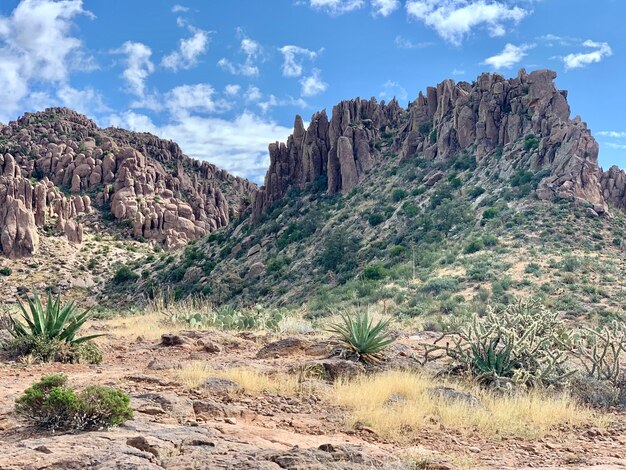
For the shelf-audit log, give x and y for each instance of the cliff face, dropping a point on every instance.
(59, 167)
(523, 123)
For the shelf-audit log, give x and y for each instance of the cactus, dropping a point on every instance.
(523, 343)
(601, 352)
(229, 318)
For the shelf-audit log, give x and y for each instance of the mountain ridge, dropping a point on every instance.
(484, 116)
(77, 168)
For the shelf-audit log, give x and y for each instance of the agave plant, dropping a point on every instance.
(54, 322)
(361, 336)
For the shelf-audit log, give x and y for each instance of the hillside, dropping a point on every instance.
(475, 193)
(76, 199)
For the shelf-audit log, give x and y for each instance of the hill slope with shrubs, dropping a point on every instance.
(475, 194)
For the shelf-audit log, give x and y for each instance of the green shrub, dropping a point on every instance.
(375, 272)
(530, 142)
(42, 349)
(52, 405)
(125, 275)
(375, 219)
(339, 253)
(409, 209)
(362, 337)
(397, 251)
(439, 285)
(490, 213)
(476, 191)
(398, 194)
(521, 178)
(474, 246)
(5, 271)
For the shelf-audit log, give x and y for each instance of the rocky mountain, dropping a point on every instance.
(473, 192)
(490, 116)
(58, 169)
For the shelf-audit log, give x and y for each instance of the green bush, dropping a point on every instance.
(521, 178)
(398, 194)
(476, 191)
(125, 275)
(42, 349)
(5, 271)
(474, 246)
(490, 213)
(397, 251)
(52, 405)
(375, 219)
(530, 142)
(375, 272)
(339, 253)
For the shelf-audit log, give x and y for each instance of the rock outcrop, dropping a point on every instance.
(523, 121)
(57, 165)
(340, 151)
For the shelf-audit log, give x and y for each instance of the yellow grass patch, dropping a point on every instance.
(526, 415)
(193, 374)
(149, 326)
(251, 381)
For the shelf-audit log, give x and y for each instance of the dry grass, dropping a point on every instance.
(149, 326)
(193, 374)
(528, 415)
(251, 381)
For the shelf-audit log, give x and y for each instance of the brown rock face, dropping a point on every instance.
(524, 120)
(163, 194)
(341, 151)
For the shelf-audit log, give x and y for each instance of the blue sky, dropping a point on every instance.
(226, 78)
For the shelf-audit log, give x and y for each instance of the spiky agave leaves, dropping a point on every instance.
(55, 321)
(361, 336)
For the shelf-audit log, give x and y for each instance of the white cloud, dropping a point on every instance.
(185, 99)
(292, 66)
(238, 145)
(385, 7)
(391, 89)
(582, 59)
(138, 66)
(455, 19)
(232, 89)
(313, 84)
(551, 40)
(252, 50)
(86, 101)
(404, 43)
(189, 50)
(457, 72)
(615, 146)
(509, 56)
(199, 98)
(273, 102)
(36, 45)
(253, 94)
(613, 134)
(179, 9)
(337, 7)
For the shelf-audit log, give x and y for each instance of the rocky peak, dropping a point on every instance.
(57, 164)
(508, 124)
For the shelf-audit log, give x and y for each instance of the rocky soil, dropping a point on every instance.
(220, 426)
